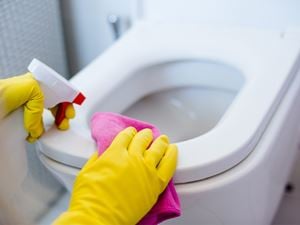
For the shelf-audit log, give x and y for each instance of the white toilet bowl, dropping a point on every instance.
(227, 97)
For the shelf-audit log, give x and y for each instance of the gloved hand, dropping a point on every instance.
(122, 185)
(25, 91)
(69, 114)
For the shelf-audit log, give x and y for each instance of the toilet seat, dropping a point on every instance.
(259, 55)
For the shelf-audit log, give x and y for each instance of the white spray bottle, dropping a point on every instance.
(56, 89)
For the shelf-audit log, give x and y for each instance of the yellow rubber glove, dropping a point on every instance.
(69, 114)
(24, 90)
(123, 184)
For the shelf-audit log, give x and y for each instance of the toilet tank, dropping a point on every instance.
(273, 14)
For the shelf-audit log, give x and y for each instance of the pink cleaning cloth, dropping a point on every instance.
(105, 126)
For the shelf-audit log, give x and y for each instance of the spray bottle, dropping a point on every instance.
(56, 89)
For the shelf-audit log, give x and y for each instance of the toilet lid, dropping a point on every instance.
(267, 59)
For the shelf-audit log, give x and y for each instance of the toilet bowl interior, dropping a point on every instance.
(184, 99)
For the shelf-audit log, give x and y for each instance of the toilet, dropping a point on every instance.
(227, 96)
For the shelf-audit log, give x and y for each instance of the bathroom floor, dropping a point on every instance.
(288, 212)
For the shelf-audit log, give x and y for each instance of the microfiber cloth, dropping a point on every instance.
(105, 126)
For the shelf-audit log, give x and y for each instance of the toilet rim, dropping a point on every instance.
(199, 157)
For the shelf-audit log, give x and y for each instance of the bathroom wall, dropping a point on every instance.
(30, 29)
(88, 33)
(258, 13)
(86, 28)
